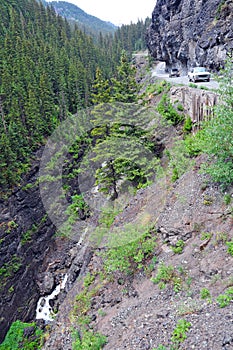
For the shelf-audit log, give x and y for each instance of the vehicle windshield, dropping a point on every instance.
(199, 69)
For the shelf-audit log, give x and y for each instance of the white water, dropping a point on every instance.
(44, 310)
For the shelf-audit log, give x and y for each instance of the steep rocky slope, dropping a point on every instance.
(186, 33)
(135, 313)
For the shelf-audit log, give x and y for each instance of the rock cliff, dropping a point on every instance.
(186, 33)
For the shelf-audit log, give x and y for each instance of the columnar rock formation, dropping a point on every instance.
(198, 104)
(186, 33)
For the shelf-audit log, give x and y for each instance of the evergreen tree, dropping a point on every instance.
(101, 91)
(125, 88)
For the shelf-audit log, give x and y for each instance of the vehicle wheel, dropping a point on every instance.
(208, 80)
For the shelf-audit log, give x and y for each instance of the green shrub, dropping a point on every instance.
(178, 248)
(180, 160)
(224, 300)
(166, 109)
(188, 125)
(167, 274)
(88, 341)
(179, 333)
(15, 338)
(205, 293)
(179, 107)
(78, 205)
(206, 235)
(11, 267)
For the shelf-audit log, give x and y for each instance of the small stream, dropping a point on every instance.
(44, 310)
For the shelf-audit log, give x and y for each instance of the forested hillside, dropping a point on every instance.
(47, 70)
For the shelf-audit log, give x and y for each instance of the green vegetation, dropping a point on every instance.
(108, 215)
(27, 236)
(221, 238)
(78, 208)
(180, 158)
(192, 85)
(187, 128)
(215, 138)
(11, 225)
(129, 249)
(179, 246)
(125, 88)
(157, 88)
(178, 336)
(225, 299)
(46, 79)
(230, 247)
(121, 88)
(88, 340)
(42, 80)
(179, 333)
(227, 198)
(167, 274)
(166, 109)
(16, 338)
(205, 293)
(206, 235)
(11, 267)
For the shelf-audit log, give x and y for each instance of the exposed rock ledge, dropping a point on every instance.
(186, 33)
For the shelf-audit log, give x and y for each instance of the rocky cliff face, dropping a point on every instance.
(32, 259)
(25, 240)
(187, 33)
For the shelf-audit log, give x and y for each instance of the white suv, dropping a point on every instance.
(198, 73)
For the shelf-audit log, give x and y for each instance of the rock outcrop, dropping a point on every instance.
(198, 104)
(25, 240)
(186, 33)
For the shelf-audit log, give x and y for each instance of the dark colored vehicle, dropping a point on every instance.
(174, 72)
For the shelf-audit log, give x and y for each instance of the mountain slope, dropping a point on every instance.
(90, 23)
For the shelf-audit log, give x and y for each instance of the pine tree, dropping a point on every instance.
(101, 91)
(125, 88)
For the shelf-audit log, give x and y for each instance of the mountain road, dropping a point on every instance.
(159, 72)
